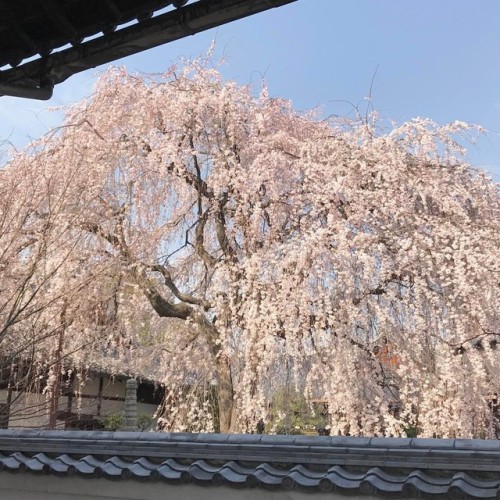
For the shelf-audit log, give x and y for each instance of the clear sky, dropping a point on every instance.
(434, 58)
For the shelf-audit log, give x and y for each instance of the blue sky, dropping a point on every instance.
(433, 58)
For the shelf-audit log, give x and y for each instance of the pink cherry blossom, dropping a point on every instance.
(189, 230)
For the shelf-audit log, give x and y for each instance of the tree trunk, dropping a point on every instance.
(224, 394)
(182, 310)
(56, 387)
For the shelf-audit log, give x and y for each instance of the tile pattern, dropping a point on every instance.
(382, 466)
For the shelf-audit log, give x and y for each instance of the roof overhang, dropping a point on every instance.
(36, 78)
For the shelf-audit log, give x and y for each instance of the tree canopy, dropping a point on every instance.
(188, 227)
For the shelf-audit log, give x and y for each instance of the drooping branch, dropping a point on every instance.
(381, 289)
(99, 231)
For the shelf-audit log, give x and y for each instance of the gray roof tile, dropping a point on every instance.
(14, 461)
(386, 467)
(232, 473)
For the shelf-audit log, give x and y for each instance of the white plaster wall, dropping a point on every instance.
(25, 486)
(29, 410)
(112, 387)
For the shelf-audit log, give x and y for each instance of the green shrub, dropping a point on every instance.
(290, 413)
(115, 422)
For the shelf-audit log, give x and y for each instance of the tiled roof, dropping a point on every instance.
(387, 467)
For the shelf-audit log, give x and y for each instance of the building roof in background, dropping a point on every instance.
(395, 467)
(89, 33)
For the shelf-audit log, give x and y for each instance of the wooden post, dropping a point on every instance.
(99, 396)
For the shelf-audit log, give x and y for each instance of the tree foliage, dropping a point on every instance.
(223, 237)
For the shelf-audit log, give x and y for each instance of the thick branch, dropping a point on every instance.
(199, 243)
(163, 307)
(192, 180)
(184, 297)
(220, 228)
